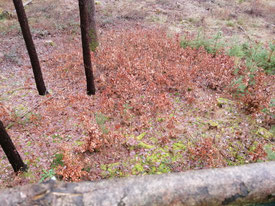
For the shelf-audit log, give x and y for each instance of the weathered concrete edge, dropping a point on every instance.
(242, 185)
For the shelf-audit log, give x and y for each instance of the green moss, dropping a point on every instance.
(159, 155)
(78, 142)
(163, 168)
(145, 146)
(272, 130)
(101, 119)
(240, 159)
(104, 129)
(213, 123)
(154, 140)
(93, 43)
(4, 14)
(29, 175)
(140, 137)
(264, 133)
(176, 156)
(56, 138)
(137, 169)
(230, 24)
(160, 119)
(158, 162)
(270, 151)
(253, 147)
(223, 101)
(111, 170)
(103, 167)
(179, 146)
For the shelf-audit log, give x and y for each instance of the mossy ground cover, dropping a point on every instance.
(218, 135)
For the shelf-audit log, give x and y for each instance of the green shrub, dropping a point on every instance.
(58, 160)
(211, 45)
(255, 56)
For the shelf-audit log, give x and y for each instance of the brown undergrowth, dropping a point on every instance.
(136, 73)
(153, 104)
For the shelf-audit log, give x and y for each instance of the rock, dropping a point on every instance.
(49, 42)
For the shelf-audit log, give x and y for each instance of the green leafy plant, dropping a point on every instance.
(47, 174)
(268, 111)
(58, 160)
(56, 138)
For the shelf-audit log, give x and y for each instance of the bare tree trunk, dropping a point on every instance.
(10, 150)
(22, 18)
(83, 7)
(93, 40)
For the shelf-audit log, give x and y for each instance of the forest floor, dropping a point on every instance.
(159, 107)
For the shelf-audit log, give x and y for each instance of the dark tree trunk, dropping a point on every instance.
(22, 18)
(93, 40)
(83, 8)
(10, 150)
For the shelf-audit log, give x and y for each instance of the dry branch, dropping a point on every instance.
(242, 185)
(27, 2)
(243, 30)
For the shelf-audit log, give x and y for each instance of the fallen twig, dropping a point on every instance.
(243, 30)
(36, 107)
(21, 88)
(26, 3)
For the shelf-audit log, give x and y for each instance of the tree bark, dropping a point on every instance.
(10, 150)
(92, 31)
(83, 9)
(241, 185)
(22, 18)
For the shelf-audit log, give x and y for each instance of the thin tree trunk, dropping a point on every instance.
(85, 46)
(93, 40)
(10, 150)
(22, 18)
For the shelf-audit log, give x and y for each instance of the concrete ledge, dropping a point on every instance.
(242, 185)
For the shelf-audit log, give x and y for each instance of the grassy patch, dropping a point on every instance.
(101, 119)
(270, 150)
